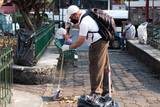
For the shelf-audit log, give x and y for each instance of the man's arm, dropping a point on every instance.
(67, 36)
(78, 43)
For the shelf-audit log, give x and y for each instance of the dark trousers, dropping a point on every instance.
(98, 60)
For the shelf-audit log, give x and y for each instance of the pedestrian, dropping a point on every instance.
(62, 34)
(98, 49)
(128, 32)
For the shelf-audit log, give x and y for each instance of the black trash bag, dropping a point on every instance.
(105, 101)
(25, 52)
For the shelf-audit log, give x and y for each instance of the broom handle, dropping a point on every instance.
(109, 78)
(61, 70)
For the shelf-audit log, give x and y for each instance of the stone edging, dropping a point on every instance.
(147, 54)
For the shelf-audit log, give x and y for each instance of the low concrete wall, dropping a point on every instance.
(43, 72)
(147, 54)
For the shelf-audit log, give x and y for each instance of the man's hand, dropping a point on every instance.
(65, 47)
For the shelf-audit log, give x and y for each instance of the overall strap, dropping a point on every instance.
(128, 28)
(86, 14)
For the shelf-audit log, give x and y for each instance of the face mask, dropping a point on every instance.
(74, 21)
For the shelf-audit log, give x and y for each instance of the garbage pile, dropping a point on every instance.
(98, 101)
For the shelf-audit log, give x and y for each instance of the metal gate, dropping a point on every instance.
(6, 76)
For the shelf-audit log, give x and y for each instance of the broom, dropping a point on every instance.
(56, 94)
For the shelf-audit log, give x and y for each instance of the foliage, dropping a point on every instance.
(26, 6)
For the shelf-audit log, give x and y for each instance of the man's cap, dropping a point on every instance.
(71, 10)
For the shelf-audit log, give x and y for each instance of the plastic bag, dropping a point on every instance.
(25, 52)
(88, 101)
(142, 33)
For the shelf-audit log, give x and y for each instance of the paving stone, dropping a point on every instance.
(121, 104)
(146, 93)
(130, 105)
(140, 100)
(151, 100)
(154, 105)
(133, 84)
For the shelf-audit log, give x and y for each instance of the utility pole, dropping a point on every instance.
(109, 4)
(129, 9)
(59, 5)
(147, 10)
(152, 11)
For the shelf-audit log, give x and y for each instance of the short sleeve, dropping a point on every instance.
(64, 32)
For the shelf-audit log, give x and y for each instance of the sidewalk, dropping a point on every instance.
(31, 95)
(25, 99)
(134, 84)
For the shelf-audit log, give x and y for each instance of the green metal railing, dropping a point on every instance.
(42, 39)
(154, 36)
(6, 76)
(36, 44)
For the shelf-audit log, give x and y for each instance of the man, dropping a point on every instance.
(128, 32)
(98, 49)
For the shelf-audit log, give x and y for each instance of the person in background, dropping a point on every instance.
(45, 19)
(128, 32)
(62, 34)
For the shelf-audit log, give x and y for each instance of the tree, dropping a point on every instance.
(26, 6)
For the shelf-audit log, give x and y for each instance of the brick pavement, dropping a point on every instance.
(134, 84)
(75, 82)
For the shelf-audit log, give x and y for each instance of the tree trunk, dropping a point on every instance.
(27, 20)
(24, 11)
